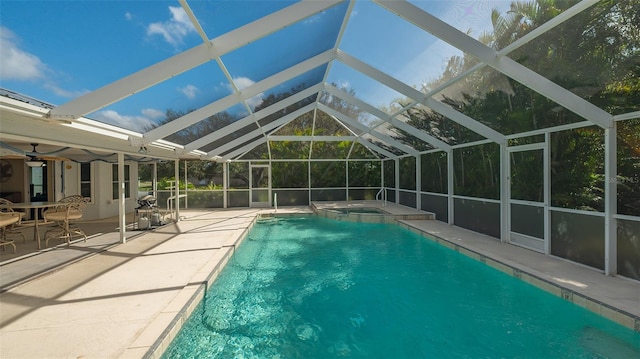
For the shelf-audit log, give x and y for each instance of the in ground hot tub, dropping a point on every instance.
(368, 214)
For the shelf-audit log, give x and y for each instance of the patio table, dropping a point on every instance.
(36, 206)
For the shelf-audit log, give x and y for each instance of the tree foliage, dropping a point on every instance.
(595, 55)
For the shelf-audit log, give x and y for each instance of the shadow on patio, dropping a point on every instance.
(30, 262)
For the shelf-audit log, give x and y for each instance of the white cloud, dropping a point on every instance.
(133, 123)
(152, 113)
(255, 101)
(175, 29)
(243, 83)
(62, 92)
(15, 63)
(128, 16)
(190, 91)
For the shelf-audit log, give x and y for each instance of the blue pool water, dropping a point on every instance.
(318, 288)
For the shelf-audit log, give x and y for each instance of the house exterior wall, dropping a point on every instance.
(13, 188)
(66, 177)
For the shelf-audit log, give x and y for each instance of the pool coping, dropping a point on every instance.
(157, 349)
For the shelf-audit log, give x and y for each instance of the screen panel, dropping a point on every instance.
(478, 216)
(436, 204)
(578, 237)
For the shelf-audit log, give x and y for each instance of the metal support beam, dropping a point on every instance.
(418, 96)
(382, 184)
(450, 169)
(334, 91)
(134, 83)
(257, 132)
(154, 179)
(186, 181)
(346, 171)
(311, 138)
(272, 81)
(384, 138)
(309, 180)
(122, 209)
(189, 59)
(610, 201)
(418, 182)
(176, 174)
(376, 148)
(503, 64)
(505, 185)
(530, 36)
(547, 192)
(238, 125)
(225, 184)
(397, 175)
(194, 21)
(245, 149)
(343, 27)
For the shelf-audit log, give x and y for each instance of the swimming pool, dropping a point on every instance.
(319, 288)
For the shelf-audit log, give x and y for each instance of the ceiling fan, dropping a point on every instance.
(34, 160)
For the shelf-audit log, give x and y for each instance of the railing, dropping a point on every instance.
(275, 202)
(170, 211)
(382, 193)
(173, 197)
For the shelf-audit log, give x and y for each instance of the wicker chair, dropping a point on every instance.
(11, 229)
(70, 210)
(8, 220)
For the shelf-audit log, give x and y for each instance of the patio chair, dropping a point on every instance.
(6, 220)
(12, 229)
(69, 210)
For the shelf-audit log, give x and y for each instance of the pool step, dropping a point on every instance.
(367, 214)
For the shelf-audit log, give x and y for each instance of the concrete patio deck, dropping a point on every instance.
(119, 301)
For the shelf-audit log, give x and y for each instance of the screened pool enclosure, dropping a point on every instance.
(519, 120)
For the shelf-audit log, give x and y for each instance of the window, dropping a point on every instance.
(86, 188)
(127, 181)
(38, 185)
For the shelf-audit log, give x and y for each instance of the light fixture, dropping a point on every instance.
(34, 163)
(143, 150)
(33, 160)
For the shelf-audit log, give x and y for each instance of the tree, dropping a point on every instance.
(596, 55)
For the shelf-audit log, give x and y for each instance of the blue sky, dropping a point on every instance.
(58, 50)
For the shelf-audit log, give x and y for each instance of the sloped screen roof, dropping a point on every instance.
(230, 79)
